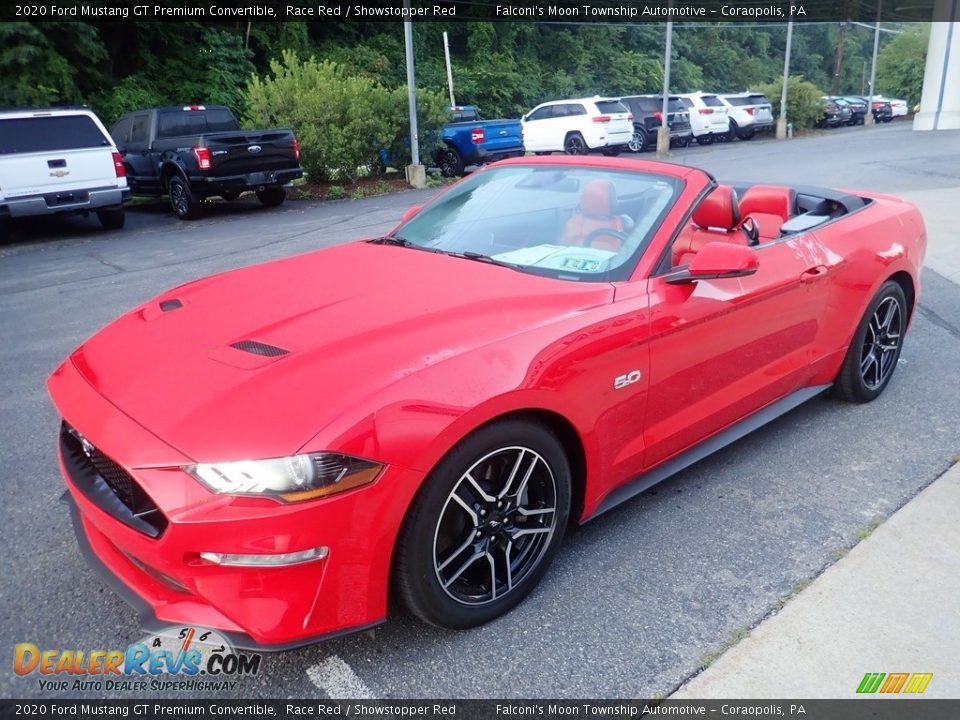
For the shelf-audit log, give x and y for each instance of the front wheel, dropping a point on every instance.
(484, 526)
(111, 218)
(639, 141)
(873, 354)
(271, 197)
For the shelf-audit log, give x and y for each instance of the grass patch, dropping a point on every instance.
(710, 658)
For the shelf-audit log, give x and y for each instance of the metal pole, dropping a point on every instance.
(868, 118)
(446, 52)
(782, 120)
(663, 133)
(416, 173)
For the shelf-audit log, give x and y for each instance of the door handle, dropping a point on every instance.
(813, 274)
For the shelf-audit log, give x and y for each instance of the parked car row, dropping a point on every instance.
(630, 123)
(852, 110)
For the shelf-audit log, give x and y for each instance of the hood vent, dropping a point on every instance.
(258, 348)
(169, 305)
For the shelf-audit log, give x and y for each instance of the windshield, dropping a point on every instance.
(572, 223)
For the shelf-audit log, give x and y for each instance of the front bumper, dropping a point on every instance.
(73, 201)
(165, 578)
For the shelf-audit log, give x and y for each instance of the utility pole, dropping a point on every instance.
(838, 63)
(782, 120)
(868, 118)
(416, 173)
(663, 132)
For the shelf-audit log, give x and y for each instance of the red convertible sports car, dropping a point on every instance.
(279, 450)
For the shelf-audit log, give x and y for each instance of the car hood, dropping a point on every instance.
(254, 362)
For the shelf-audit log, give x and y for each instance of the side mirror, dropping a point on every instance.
(411, 212)
(718, 260)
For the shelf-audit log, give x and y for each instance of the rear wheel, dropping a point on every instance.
(185, 204)
(873, 354)
(271, 197)
(485, 525)
(111, 218)
(705, 139)
(451, 163)
(639, 141)
(574, 144)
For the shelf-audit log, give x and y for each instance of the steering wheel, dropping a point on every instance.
(604, 232)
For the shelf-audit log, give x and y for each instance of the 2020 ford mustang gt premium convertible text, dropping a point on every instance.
(276, 450)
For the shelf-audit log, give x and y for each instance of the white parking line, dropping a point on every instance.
(334, 677)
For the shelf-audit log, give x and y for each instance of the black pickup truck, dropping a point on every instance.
(194, 152)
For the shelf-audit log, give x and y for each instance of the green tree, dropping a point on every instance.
(803, 100)
(901, 64)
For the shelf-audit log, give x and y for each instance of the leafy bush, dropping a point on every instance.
(901, 64)
(803, 101)
(342, 120)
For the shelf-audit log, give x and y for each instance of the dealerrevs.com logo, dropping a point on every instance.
(180, 658)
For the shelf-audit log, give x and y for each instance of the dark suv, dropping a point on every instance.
(648, 117)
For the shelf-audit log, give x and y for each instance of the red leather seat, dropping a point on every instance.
(716, 218)
(598, 205)
(769, 207)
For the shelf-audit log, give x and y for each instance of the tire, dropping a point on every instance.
(640, 141)
(613, 150)
(111, 218)
(271, 197)
(574, 144)
(451, 163)
(875, 349)
(705, 140)
(458, 514)
(740, 133)
(186, 205)
(683, 142)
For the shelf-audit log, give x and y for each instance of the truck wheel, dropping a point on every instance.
(111, 218)
(451, 163)
(271, 197)
(185, 204)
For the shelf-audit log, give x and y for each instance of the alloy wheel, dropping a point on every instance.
(575, 146)
(881, 343)
(495, 526)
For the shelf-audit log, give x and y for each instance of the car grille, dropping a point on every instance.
(108, 485)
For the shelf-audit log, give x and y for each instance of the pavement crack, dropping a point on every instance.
(107, 263)
(939, 321)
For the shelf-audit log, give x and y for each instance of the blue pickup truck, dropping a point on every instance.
(471, 140)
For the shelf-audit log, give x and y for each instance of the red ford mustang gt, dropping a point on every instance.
(276, 450)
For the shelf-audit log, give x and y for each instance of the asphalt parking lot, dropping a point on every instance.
(638, 599)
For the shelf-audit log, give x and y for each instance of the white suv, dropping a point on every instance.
(748, 112)
(708, 117)
(59, 161)
(578, 126)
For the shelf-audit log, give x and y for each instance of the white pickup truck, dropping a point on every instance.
(59, 161)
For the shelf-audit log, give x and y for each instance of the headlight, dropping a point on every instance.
(294, 478)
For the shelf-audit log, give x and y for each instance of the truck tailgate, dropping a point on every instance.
(498, 135)
(241, 152)
(56, 171)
